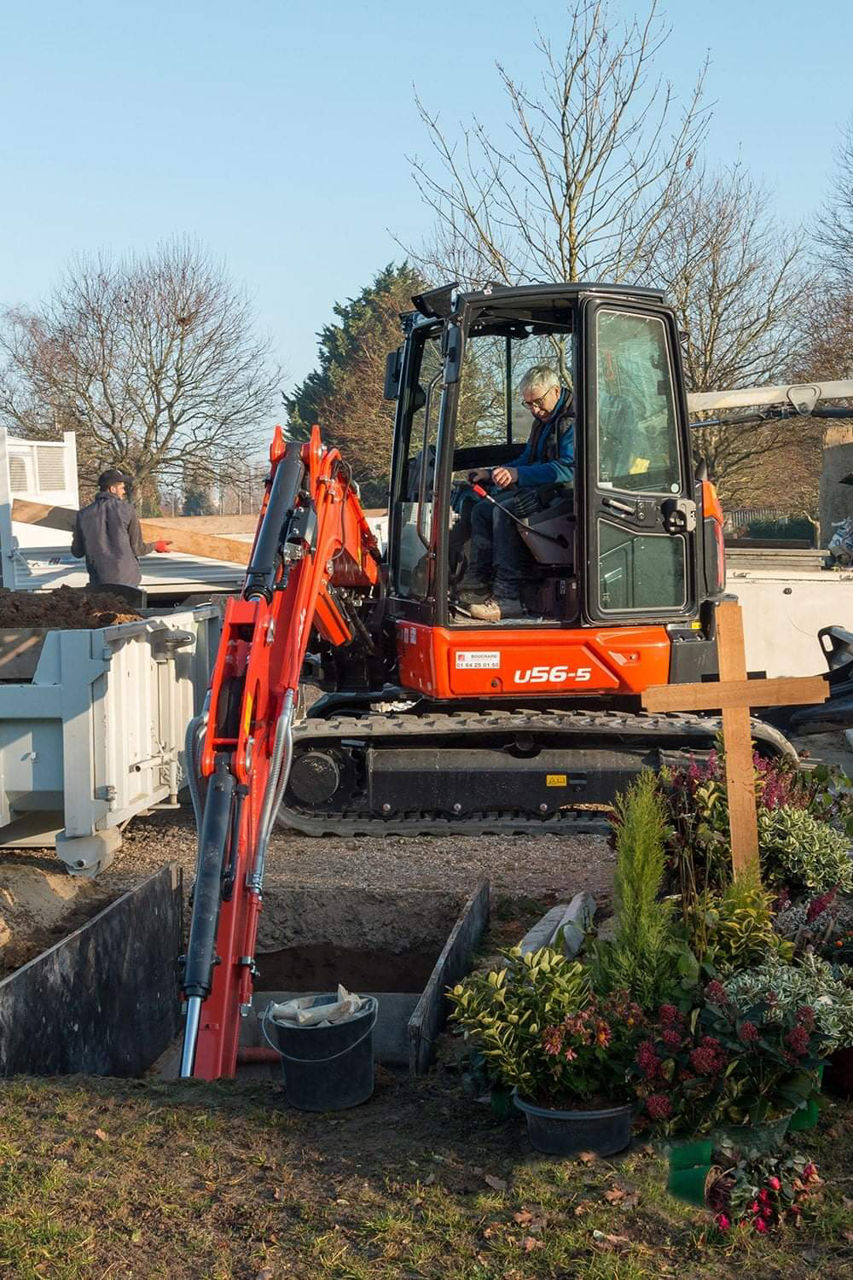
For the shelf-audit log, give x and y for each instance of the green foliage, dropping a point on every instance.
(642, 959)
(798, 527)
(196, 501)
(785, 988)
(344, 394)
(803, 852)
(542, 1030)
(733, 930)
(699, 844)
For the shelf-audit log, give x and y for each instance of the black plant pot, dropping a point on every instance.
(565, 1133)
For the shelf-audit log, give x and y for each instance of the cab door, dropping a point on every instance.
(639, 513)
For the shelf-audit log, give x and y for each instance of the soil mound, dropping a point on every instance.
(66, 609)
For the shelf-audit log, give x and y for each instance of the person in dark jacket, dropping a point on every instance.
(108, 534)
(499, 561)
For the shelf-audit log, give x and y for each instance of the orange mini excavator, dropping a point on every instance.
(432, 720)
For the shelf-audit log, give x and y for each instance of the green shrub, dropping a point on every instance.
(733, 930)
(800, 851)
(810, 983)
(642, 959)
(543, 1031)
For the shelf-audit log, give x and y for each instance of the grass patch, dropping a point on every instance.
(186, 1181)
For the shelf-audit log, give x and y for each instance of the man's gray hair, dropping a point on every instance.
(541, 375)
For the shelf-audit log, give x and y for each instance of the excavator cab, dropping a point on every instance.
(622, 547)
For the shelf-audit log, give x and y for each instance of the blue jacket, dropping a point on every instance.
(549, 455)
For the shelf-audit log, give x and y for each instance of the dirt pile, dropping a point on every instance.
(66, 609)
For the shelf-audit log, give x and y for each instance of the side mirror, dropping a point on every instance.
(393, 369)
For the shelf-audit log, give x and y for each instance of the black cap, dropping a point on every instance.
(111, 477)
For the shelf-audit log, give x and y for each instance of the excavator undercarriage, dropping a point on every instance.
(423, 768)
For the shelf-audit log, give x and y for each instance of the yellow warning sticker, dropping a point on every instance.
(555, 780)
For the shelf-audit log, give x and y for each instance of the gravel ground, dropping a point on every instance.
(513, 864)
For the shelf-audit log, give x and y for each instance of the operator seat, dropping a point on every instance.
(549, 534)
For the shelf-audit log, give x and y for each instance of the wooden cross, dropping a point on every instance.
(733, 694)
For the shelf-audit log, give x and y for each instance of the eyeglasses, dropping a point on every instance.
(539, 402)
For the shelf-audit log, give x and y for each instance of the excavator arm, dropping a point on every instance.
(314, 565)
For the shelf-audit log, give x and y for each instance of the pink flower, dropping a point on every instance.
(668, 1015)
(709, 1058)
(767, 1212)
(659, 1106)
(715, 993)
(818, 905)
(754, 1207)
(760, 1225)
(747, 1033)
(723, 1222)
(671, 1039)
(809, 1172)
(774, 1184)
(647, 1060)
(552, 1040)
(798, 1039)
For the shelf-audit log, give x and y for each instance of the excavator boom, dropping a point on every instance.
(314, 563)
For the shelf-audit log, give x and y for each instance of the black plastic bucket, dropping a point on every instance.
(328, 1068)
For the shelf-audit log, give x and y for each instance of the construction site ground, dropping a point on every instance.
(169, 1180)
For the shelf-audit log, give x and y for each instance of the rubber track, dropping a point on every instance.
(670, 731)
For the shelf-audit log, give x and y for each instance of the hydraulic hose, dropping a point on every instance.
(276, 782)
(195, 728)
(207, 896)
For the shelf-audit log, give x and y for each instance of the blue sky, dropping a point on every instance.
(276, 132)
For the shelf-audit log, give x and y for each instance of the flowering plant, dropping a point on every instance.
(781, 989)
(680, 1073)
(802, 815)
(763, 1194)
(728, 1062)
(773, 1051)
(542, 1030)
(823, 924)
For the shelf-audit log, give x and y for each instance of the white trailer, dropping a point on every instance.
(95, 734)
(92, 722)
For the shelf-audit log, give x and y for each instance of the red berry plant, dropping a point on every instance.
(773, 1054)
(680, 1073)
(719, 1065)
(759, 1195)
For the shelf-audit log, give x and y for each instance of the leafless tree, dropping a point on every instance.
(739, 284)
(152, 361)
(590, 173)
(835, 226)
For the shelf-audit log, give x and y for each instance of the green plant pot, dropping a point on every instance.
(804, 1117)
(687, 1155)
(689, 1184)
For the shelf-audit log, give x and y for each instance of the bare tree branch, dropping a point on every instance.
(592, 168)
(151, 360)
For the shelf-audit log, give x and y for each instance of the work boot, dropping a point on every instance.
(472, 593)
(495, 608)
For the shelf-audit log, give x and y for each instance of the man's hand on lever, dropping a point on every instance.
(503, 477)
